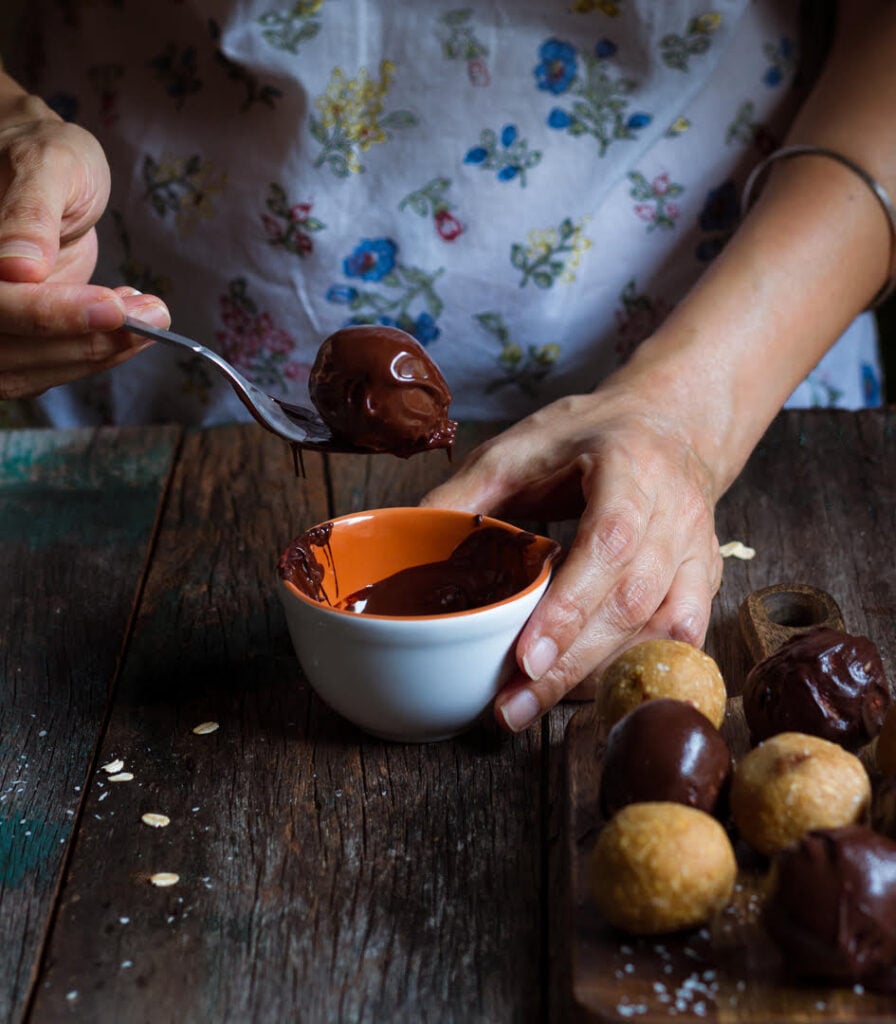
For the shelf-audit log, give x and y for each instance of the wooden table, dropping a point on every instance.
(324, 875)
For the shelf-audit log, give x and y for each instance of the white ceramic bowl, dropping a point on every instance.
(407, 678)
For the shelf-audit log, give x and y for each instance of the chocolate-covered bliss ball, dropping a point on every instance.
(377, 387)
(823, 682)
(664, 750)
(832, 908)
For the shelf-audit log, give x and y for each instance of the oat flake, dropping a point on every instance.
(113, 766)
(122, 777)
(155, 820)
(735, 549)
(205, 728)
(164, 878)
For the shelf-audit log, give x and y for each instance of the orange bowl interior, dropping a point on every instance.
(366, 547)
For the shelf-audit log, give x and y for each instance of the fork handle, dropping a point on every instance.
(245, 387)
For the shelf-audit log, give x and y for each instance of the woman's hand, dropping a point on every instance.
(645, 561)
(54, 185)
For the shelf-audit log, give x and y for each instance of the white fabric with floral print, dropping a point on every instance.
(528, 188)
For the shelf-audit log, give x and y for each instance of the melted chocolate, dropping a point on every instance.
(665, 750)
(832, 910)
(824, 682)
(378, 388)
(489, 565)
(300, 565)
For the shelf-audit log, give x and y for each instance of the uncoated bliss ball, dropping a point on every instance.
(662, 668)
(661, 867)
(794, 783)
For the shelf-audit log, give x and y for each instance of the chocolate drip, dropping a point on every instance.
(300, 566)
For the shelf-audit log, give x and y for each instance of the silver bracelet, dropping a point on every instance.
(879, 191)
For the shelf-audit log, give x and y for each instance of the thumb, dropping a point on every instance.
(56, 187)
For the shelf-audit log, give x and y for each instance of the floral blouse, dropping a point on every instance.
(527, 188)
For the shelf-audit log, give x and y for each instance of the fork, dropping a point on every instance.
(300, 426)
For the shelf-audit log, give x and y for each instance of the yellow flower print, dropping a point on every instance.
(352, 120)
(679, 126)
(708, 22)
(551, 254)
(519, 367)
(185, 186)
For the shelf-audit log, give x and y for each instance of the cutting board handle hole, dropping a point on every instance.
(795, 610)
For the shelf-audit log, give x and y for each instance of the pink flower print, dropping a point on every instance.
(447, 225)
(654, 199)
(432, 201)
(297, 372)
(253, 342)
(645, 212)
(478, 73)
(289, 226)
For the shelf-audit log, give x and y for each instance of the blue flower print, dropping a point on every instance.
(782, 59)
(401, 290)
(342, 295)
(557, 68)
(512, 161)
(425, 329)
(870, 386)
(372, 260)
(605, 48)
(599, 100)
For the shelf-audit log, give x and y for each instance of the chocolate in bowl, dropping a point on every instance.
(487, 566)
(413, 677)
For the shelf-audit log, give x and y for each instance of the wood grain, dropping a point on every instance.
(77, 511)
(812, 502)
(324, 875)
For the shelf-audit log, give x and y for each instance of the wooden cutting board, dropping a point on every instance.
(728, 971)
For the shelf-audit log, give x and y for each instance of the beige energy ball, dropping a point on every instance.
(793, 783)
(661, 668)
(661, 867)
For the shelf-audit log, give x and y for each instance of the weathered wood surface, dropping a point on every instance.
(818, 504)
(76, 517)
(325, 875)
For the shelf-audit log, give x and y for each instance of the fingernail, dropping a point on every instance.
(152, 313)
(685, 630)
(105, 315)
(539, 658)
(18, 248)
(521, 710)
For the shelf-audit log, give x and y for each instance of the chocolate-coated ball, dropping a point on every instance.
(832, 909)
(823, 682)
(377, 387)
(664, 750)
